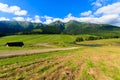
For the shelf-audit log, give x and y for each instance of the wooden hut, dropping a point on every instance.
(15, 44)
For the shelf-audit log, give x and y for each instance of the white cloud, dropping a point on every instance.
(4, 19)
(109, 14)
(36, 19)
(69, 17)
(109, 19)
(113, 19)
(28, 19)
(19, 18)
(97, 3)
(88, 13)
(105, 19)
(110, 9)
(102, 15)
(48, 19)
(12, 9)
(20, 13)
(106, 16)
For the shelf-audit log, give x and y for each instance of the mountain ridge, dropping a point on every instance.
(71, 27)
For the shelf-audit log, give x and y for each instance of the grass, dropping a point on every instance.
(89, 62)
(31, 41)
(97, 63)
(8, 61)
(103, 42)
(53, 41)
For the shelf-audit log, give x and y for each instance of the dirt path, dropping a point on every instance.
(27, 52)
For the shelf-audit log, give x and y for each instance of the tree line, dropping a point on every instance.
(90, 38)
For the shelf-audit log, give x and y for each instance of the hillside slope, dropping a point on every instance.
(74, 27)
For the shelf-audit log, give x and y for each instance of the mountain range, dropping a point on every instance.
(57, 27)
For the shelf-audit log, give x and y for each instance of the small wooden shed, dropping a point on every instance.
(15, 44)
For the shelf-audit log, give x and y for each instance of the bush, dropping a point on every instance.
(92, 38)
(79, 39)
(115, 36)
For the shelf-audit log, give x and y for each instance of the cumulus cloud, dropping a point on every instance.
(88, 13)
(106, 16)
(69, 17)
(18, 19)
(102, 15)
(100, 3)
(105, 19)
(109, 14)
(108, 19)
(36, 19)
(12, 9)
(110, 9)
(48, 19)
(28, 19)
(4, 19)
(97, 3)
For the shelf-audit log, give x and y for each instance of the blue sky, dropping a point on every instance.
(47, 11)
(54, 8)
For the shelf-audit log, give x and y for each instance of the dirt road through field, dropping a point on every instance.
(27, 52)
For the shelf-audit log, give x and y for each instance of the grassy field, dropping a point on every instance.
(94, 60)
(38, 41)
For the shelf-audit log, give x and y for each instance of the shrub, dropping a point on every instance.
(79, 39)
(92, 38)
(115, 36)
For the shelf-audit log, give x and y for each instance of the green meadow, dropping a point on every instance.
(93, 60)
(38, 41)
